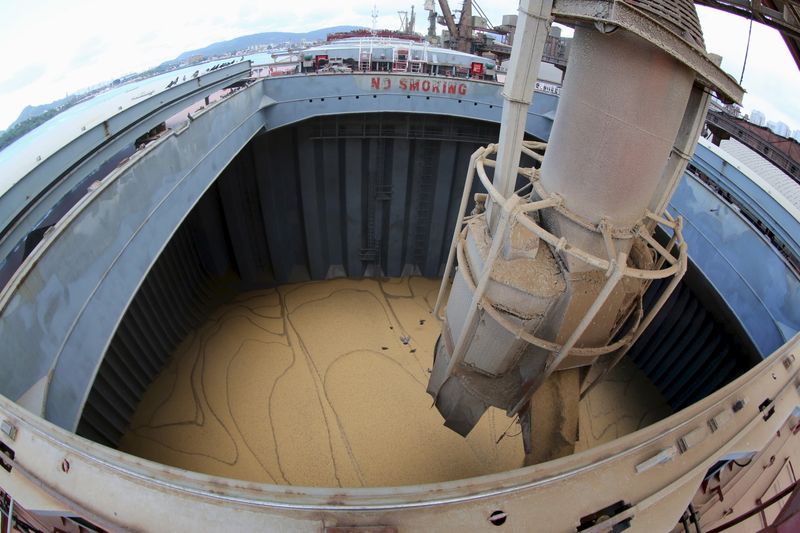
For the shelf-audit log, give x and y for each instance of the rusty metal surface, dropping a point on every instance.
(753, 137)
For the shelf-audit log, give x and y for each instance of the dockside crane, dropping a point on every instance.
(460, 33)
(431, 9)
(407, 21)
(471, 34)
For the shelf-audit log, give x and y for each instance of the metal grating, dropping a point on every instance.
(680, 16)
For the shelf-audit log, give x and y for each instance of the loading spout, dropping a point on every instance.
(546, 283)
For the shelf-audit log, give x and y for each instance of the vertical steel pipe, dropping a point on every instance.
(448, 269)
(526, 56)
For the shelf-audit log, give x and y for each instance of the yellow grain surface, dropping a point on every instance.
(312, 384)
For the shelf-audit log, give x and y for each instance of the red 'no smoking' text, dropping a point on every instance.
(417, 85)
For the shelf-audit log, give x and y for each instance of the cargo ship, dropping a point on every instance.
(225, 298)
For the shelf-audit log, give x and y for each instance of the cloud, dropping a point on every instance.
(149, 32)
(27, 75)
(771, 77)
(89, 50)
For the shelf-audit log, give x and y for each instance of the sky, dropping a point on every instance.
(54, 48)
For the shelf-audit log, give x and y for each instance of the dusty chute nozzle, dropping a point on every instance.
(548, 290)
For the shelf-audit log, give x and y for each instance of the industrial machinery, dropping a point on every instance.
(549, 285)
(477, 35)
(407, 21)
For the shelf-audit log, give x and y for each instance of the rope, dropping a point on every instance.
(506, 433)
(747, 49)
(481, 13)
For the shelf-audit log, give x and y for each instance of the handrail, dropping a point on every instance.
(770, 151)
(614, 265)
(518, 331)
(559, 242)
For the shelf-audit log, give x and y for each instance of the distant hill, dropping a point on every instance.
(271, 37)
(220, 48)
(32, 111)
(21, 128)
(33, 115)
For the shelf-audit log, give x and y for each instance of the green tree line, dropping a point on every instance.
(14, 133)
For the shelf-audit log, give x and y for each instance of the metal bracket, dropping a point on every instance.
(605, 514)
(9, 453)
(8, 429)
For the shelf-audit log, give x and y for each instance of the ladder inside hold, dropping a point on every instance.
(364, 56)
(400, 60)
(416, 66)
(365, 62)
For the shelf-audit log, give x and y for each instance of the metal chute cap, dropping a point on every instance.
(671, 25)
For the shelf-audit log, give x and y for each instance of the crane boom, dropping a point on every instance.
(448, 18)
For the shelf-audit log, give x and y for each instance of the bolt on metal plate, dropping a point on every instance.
(8, 429)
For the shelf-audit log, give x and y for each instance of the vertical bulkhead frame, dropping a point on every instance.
(547, 294)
